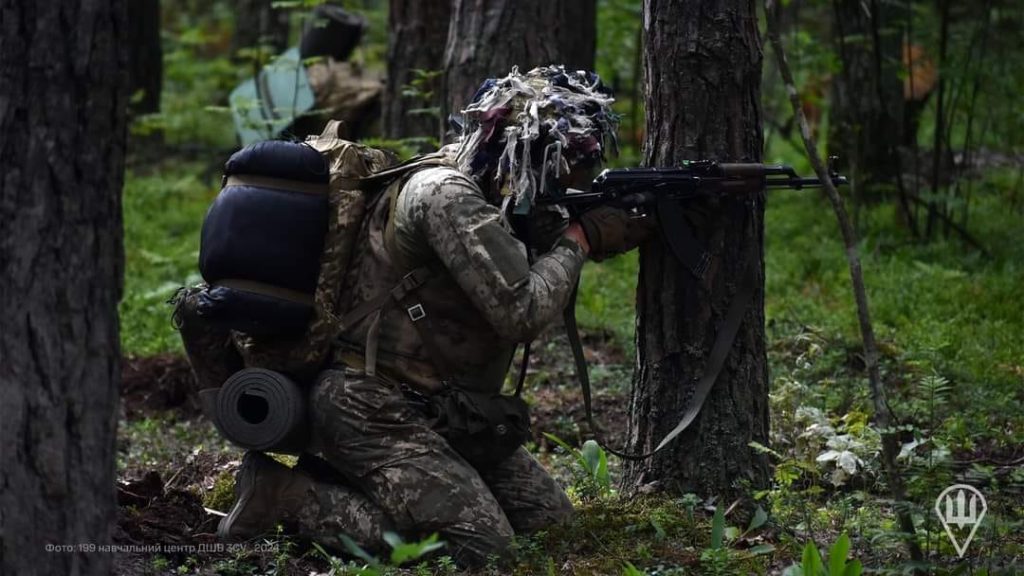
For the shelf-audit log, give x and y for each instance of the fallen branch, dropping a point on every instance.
(883, 418)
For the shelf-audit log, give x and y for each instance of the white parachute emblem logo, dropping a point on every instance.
(954, 509)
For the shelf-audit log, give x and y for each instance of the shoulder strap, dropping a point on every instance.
(716, 360)
(378, 179)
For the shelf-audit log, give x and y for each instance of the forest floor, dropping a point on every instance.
(951, 328)
(175, 469)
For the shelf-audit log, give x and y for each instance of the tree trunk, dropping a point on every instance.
(867, 95)
(146, 55)
(702, 74)
(418, 30)
(577, 34)
(259, 25)
(63, 102)
(486, 38)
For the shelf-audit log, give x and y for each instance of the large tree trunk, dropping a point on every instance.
(703, 72)
(146, 55)
(486, 38)
(418, 30)
(867, 94)
(63, 102)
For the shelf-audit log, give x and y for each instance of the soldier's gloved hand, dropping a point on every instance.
(546, 225)
(610, 231)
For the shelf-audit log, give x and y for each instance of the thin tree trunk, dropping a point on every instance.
(939, 118)
(259, 25)
(883, 419)
(867, 94)
(418, 30)
(703, 84)
(63, 103)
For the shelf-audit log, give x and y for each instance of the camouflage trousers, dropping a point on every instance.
(402, 476)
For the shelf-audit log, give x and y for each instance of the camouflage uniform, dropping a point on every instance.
(400, 474)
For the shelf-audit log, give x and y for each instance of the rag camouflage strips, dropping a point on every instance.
(513, 123)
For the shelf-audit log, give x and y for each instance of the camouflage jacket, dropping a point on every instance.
(483, 298)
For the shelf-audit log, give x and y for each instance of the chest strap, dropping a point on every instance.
(377, 307)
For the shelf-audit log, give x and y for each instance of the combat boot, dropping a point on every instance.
(265, 492)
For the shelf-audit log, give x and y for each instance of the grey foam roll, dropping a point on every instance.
(260, 409)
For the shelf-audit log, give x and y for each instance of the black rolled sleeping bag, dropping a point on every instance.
(262, 239)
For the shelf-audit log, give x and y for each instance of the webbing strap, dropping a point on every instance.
(276, 184)
(266, 290)
(376, 179)
(716, 360)
(377, 306)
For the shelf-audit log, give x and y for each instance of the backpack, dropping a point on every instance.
(279, 238)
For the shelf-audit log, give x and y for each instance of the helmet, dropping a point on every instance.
(528, 127)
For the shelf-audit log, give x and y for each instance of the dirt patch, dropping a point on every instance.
(560, 411)
(160, 531)
(158, 383)
(149, 514)
(554, 391)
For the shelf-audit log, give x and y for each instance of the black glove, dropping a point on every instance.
(546, 225)
(610, 231)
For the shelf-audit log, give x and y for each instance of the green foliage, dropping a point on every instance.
(592, 479)
(607, 297)
(811, 564)
(402, 552)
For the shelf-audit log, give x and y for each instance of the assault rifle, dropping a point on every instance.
(635, 187)
(668, 189)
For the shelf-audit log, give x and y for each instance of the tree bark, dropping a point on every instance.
(702, 63)
(577, 33)
(63, 102)
(486, 38)
(146, 55)
(418, 30)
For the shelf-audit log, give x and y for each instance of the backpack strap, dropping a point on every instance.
(379, 179)
(399, 294)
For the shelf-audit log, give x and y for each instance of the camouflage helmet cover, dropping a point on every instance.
(514, 124)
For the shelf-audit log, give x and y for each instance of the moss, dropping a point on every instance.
(222, 495)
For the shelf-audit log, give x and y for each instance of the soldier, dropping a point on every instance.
(454, 328)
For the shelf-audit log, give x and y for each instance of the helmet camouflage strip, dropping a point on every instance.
(513, 119)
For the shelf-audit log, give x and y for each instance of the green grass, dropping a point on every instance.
(163, 213)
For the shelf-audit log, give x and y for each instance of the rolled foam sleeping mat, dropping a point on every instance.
(260, 409)
(252, 313)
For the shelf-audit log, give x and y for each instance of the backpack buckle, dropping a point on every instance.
(416, 312)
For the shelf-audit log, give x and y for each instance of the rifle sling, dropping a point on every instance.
(716, 360)
(680, 237)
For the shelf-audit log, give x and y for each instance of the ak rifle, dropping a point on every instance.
(640, 187)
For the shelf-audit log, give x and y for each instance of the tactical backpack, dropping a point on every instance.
(278, 239)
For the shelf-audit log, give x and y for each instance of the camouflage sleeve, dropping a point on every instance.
(451, 215)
